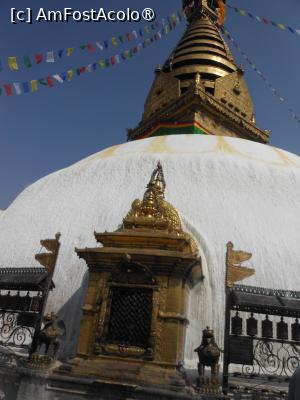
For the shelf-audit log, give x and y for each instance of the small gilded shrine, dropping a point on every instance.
(134, 318)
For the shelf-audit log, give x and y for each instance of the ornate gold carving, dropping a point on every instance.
(235, 272)
(154, 211)
(165, 88)
(123, 351)
(159, 324)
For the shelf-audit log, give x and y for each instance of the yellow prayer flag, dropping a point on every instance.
(70, 51)
(12, 63)
(34, 85)
(114, 41)
(102, 63)
(281, 26)
(70, 74)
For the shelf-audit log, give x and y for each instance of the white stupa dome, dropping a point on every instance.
(225, 189)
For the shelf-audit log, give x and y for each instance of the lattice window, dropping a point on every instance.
(130, 316)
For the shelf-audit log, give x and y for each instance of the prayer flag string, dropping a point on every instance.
(259, 73)
(265, 20)
(50, 81)
(51, 56)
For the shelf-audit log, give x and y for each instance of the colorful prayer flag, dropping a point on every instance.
(8, 89)
(26, 87)
(50, 81)
(114, 41)
(50, 57)
(43, 81)
(13, 64)
(90, 47)
(17, 87)
(63, 76)
(58, 78)
(34, 85)
(70, 51)
(102, 63)
(27, 62)
(99, 45)
(38, 58)
(70, 74)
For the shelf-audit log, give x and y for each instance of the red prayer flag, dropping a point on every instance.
(90, 47)
(113, 60)
(38, 58)
(265, 21)
(50, 81)
(129, 37)
(82, 70)
(8, 89)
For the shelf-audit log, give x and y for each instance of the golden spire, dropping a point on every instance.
(201, 49)
(200, 89)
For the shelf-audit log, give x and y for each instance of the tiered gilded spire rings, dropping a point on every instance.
(201, 50)
(200, 89)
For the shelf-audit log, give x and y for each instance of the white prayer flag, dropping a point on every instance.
(58, 78)
(99, 45)
(50, 57)
(17, 87)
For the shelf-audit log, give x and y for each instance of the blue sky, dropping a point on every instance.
(53, 128)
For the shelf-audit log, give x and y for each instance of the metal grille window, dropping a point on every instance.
(130, 316)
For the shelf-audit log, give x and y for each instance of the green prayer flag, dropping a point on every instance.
(42, 81)
(27, 62)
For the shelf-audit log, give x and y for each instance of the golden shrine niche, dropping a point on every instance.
(134, 318)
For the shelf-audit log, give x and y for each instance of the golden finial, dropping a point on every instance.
(153, 212)
(157, 181)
